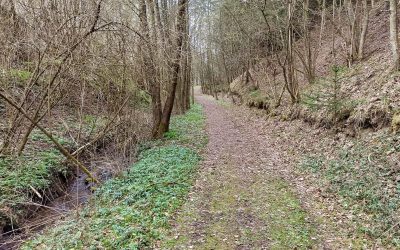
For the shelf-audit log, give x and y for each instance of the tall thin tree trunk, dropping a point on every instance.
(323, 21)
(310, 69)
(169, 103)
(292, 85)
(363, 30)
(393, 34)
(150, 70)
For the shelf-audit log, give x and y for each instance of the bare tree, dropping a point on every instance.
(176, 67)
(394, 34)
(364, 29)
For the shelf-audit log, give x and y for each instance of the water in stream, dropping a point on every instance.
(76, 194)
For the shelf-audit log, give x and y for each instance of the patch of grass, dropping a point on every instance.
(256, 99)
(287, 222)
(255, 94)
(38, 136)
(364, 179)
(19, 175)
(21, 75)
(188, 129)
(171, 134)
(254, 212)
(134, 210)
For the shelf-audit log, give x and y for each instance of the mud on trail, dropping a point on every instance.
(241, 200)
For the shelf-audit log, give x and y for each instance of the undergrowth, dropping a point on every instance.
(23, 178)
(134, 210)
(26, 177)
(325, 94)
(185, 130)
(367, 182)
(256, 99)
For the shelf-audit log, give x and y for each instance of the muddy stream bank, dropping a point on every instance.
(73, 193)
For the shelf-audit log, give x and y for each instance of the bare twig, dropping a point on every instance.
(60, 148)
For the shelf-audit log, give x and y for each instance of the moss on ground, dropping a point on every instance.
(256, 99)
(288, 224)
(254, 211)
(134, 210)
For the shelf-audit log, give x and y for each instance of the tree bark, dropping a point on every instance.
(292, 84)
(363, 30)
(169, 103)
(393, 34)
(149, 68)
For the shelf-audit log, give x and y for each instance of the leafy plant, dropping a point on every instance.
(38, 136)
(20, 175)
(172, 134)
(188, 129)
(134, 210)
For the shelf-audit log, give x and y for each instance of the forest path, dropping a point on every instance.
(239, 201)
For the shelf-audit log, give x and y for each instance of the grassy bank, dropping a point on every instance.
(134, 210)
(27, 178)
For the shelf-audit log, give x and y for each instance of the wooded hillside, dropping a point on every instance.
(331, 56)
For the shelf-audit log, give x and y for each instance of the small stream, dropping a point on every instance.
(75, 195)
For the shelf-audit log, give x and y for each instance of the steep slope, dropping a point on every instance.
(368, 94)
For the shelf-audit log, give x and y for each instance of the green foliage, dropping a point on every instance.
(20, 174)
(143, 98)
(256, 99)
(134, 210)
(326, 94)
(14, 76)
(90, 119)
(313, 163)
(188, 129)
(171, 134)
(21, 75)
(255, 93)
(38, 136)
(257, 96)
(92, 124)
(362, 176)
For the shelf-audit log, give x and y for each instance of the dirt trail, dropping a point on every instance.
(240, 201)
